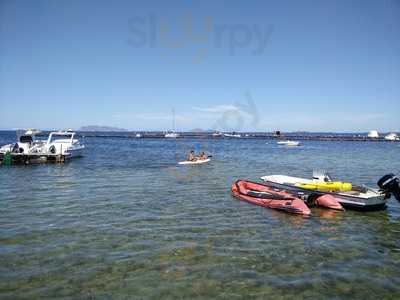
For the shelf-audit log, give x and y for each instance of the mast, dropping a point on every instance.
(173, 120)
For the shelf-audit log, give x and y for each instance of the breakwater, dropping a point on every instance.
(243, 135)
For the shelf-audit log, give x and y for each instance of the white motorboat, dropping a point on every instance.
(26, 143)
(58, 143)
(392, 137)
(217, 134)
(171, 135)
(359, 197)
(373, 134)
(288, 143)
(233, 135)
(63, 143)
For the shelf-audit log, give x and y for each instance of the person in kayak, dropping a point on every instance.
(202, 156)
(191, 156)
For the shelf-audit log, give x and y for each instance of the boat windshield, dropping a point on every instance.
(25, 139)
(55, 137)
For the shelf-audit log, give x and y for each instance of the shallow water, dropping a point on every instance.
(126, 222)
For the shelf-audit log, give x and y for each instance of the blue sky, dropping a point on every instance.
(244, 65)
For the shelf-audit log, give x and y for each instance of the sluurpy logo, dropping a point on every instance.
(240, 116)
(199, 35)
(234, 118)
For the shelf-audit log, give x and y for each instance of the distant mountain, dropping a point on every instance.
(100, 128)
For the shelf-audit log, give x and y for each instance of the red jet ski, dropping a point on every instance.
(269, 197)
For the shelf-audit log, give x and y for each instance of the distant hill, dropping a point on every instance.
(100, 128)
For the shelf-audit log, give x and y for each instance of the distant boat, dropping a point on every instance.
(58, 143)
(391, 137)
(25, 142)
(217, 134)
(138, 135)
(232, 135)
(172, 134)
(289, 143)
(373, 134)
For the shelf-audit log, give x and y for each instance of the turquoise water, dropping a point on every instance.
(126, 222)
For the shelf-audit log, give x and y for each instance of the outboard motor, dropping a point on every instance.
(390, 184)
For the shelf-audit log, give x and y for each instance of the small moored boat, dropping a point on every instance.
(349, 195)
(59, 146)
(373, 134)
(217, 134)
(63, 143)
(268, 197)
(392, 137)
(289, 143)
(26, 143)
(171, 135)
(233, 135)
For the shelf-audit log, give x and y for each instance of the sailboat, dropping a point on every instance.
(172, 134)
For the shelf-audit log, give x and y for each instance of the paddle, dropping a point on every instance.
(209, 156)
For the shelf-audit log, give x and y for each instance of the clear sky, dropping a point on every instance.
(246, 65)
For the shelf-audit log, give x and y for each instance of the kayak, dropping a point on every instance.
(330, 186)
(320, 182)
(195, 162)
(268, 197)
(356, 197)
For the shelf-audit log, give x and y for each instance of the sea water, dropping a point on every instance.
(125, 221)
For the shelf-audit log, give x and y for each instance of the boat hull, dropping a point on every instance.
(76, 152)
